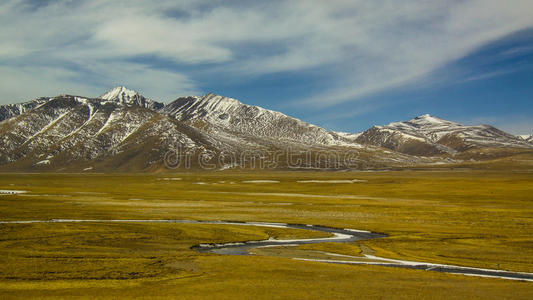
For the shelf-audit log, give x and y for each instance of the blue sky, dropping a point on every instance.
(343, 65)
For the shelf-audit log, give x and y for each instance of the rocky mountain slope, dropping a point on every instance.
(11, 110)
(226, 116)
(428, 136)
(68, 130)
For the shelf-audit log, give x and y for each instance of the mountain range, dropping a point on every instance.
(124, 131)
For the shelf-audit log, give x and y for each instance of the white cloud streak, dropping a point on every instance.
(361, 47)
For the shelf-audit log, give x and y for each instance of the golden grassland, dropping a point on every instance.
(471, 218)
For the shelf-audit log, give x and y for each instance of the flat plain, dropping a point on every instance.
(465, 217)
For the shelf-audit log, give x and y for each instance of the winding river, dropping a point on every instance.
(338, 235)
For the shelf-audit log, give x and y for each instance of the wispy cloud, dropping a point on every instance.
(488, 75)
(360, 47)
(521, 50)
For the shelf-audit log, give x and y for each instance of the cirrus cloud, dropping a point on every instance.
(359, 47)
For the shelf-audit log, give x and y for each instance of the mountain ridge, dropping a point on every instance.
(228, 114)
(428, 135)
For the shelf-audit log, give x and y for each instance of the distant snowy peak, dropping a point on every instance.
(527, 138)
(120, 93)
(428, 124)
(429, 135)
(124, 96)
(424, 122)
(428, 120)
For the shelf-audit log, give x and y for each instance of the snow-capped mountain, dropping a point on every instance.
(70, 130)
(428, 135)
(124, 96)
(218, 114)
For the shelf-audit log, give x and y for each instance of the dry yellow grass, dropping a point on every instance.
(471, 218)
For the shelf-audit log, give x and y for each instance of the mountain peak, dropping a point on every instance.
(429, 121)
(119, 93)
(427, 118)
(527, 137)
(424, 121)
(125, 96)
